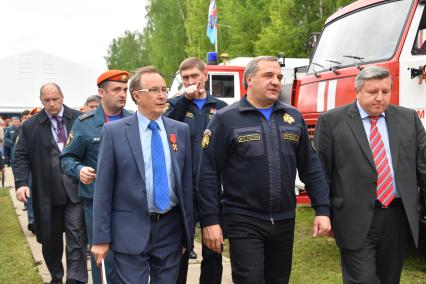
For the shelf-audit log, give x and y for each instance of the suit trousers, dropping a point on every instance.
(109, 260)
(261, 251)
(159, 262)
(381, 257)
(68, 218)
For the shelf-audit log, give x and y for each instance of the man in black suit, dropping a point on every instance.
(374, 156)
(56, 205)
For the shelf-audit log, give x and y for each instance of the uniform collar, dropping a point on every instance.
(245, 105)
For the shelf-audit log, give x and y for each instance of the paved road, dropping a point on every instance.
(193, 270)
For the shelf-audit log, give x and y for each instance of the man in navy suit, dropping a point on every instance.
(143, 193)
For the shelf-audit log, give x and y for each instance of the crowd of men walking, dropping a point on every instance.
(133, 185)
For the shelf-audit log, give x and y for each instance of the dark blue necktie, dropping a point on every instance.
(159, 171)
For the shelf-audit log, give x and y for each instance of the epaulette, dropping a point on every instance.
(86, 115)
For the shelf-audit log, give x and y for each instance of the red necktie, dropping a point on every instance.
(384, 175)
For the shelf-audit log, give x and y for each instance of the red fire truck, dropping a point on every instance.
(391, 34)
(388, 33)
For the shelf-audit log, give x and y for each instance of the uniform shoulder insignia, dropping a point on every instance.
(70, 137)
(288, 118)
(206, 138)
(86, 115)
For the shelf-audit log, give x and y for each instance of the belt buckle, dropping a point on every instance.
(154, 217)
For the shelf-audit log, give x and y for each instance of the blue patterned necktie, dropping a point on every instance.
(159, 171)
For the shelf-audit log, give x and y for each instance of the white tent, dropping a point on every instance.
(21, 76)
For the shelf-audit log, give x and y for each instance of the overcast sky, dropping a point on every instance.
(77, 30)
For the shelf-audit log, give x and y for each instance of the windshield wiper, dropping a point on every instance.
(334, 68)
(313, 68)
(357, 58)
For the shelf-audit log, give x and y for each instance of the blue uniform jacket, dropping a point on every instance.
(83, 146)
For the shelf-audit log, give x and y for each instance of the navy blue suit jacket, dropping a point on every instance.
(120, 201)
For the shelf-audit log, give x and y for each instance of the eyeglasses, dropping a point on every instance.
(155, 91)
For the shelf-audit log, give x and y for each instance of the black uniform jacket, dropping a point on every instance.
(257, 161)
(182, 109)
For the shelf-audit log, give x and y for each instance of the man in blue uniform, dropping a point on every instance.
(10, 135)
(196, 108)
(79, 158)
(254, 148)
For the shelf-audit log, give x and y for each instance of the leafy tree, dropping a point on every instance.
(127, 52)
(166, 37)
(240, 23)
(177, 29)
(196, 28)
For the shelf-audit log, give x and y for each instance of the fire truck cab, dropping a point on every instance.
(391, 34)
(388, 33)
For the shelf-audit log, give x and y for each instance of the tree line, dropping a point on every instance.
(177, 29)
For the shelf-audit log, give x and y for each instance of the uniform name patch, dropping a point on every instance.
(96, 139)
(249, 137)
(290, 136)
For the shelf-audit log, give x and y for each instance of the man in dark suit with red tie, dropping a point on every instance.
(374, 156)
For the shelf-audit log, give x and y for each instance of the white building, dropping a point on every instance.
(21, 76)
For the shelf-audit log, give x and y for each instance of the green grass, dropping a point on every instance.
(16, 262)
(317, 260)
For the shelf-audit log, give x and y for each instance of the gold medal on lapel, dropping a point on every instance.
(70, 137)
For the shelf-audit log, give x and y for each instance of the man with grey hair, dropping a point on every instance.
(254, 148)
(142, 206)
(374, 172)
(57, 207)
(92, 103)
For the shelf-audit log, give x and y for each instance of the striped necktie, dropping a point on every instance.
(385, 185)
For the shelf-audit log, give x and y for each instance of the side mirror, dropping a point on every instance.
(281, 59)
(313, 42)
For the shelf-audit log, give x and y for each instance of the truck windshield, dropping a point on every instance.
(367, 35)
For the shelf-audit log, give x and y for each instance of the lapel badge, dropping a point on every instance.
(212, 110)
(173, 141)
(206, 139)
(288, 118)
(70, 137)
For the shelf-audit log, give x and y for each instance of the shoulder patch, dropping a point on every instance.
(86, 115)
(288, 118)
(206, 138)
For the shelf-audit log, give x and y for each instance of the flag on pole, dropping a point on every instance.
(212, 22)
